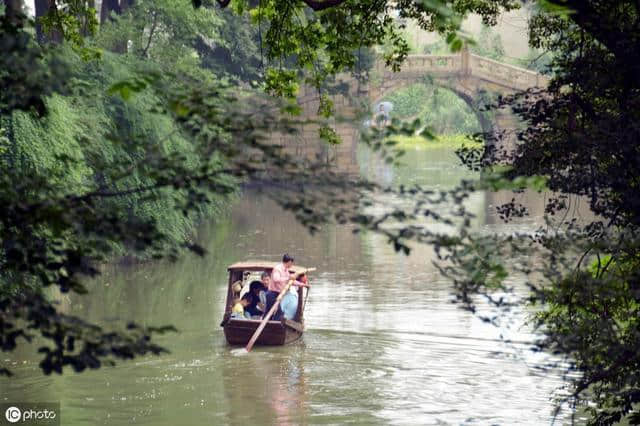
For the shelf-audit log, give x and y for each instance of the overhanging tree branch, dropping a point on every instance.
(315, 5)
(322, 5)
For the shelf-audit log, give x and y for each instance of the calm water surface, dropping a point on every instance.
(384, 344)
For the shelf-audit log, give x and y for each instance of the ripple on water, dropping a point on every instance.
(383, 345)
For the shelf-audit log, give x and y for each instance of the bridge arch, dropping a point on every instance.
(466, 74)
(469, 98)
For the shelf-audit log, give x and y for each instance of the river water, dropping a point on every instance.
(383, 344)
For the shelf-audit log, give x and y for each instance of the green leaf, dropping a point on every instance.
(179, 108)
(556, 8)
(456, 45)
(122, 89)
(329, 135)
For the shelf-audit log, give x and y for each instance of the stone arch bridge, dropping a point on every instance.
(466, 74)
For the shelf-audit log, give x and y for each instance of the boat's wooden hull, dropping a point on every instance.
(238, 332)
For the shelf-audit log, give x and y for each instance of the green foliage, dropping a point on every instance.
(439, 47)
(282, 83)
(62, 145)
(427, 141)
(456, 41)
(536, 60)
(236, 51)
(126, 88)
(329, 135)
(580, 138)
(579, 134)
(146, 140)
(409, 101)
(329, 41)
(73, 21)
(442, 110)
(366, 59)
(88, 176)
(489, 45)
(28, 83)
(51, 146)
(501, 178)
(138, 149)
(190, 41)
(325, 108)
(594, 315)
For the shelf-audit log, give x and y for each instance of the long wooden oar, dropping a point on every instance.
(273, 309)
(304, 305)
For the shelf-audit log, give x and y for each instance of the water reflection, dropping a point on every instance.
(268, 385)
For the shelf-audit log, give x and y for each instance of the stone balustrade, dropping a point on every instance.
(464, 73)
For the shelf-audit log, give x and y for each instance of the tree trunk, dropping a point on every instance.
(43, 8)
(109, 6)
(91, 4)
(145, 52)
(126, 4)
(123, 46)
(14, 11)
(118, 7)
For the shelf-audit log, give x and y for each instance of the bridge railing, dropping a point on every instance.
(499, 75)
(424, 63)
(505, 74)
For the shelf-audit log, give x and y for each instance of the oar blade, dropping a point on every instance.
(239, 352)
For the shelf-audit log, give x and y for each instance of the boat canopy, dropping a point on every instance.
(260, 265)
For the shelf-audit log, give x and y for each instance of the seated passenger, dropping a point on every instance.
(265, 278)
(240, 304)
(236, 288)
(256, 307)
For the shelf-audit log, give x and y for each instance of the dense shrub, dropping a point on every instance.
(73, 145)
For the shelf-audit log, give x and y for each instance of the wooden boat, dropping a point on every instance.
(238, 331)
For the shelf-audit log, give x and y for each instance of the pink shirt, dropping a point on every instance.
(279, 278)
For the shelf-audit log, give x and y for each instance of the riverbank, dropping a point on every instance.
(454, 141)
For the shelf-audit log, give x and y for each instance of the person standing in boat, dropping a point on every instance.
(289, 302)
(279, 278)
